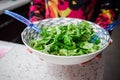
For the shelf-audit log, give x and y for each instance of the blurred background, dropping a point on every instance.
(10, 30)
(112, 57)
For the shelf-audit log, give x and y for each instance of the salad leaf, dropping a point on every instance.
(66, 40)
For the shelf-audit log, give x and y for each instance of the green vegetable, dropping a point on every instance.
(66, 40)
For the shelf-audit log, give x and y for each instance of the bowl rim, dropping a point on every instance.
(100, 50)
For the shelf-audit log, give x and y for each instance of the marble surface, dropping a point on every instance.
(18, 64)
(12, 4)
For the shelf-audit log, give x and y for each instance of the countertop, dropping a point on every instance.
(18, 64)
(12, 4)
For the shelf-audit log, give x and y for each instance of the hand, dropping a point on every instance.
(97, 57)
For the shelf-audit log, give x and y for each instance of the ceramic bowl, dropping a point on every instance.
(29, 34)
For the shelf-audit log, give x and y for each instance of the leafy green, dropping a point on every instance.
(66, 40)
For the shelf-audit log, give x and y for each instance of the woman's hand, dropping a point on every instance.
(97, 57)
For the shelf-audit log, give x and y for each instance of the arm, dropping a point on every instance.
(37, 10)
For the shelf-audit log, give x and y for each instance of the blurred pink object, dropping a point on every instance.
(3, 50)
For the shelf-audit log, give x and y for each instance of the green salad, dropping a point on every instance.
(66, 40)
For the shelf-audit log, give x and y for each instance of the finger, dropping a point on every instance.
(111, 41)
(98, 56)
(83, 64)
(30, 51)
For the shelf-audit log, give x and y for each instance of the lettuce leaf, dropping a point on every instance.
(66, 40)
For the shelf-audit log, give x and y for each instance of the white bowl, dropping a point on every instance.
(28, 34)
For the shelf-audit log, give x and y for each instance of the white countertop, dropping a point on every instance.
(10, 4)
(18, 64)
